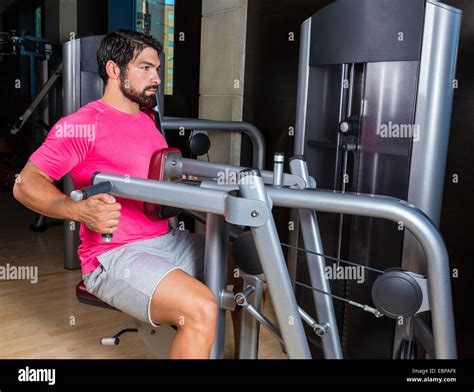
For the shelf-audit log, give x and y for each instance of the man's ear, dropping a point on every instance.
(113, 70)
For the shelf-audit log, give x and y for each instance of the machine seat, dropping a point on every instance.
(87, 298)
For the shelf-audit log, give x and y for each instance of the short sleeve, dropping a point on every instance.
(67, 145)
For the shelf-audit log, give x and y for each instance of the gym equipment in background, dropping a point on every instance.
(374, 105)
(43, 107)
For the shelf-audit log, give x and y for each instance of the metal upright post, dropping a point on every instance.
(316, 267)
(250, 327)
(273, 263)
(215, 273)
(71, 102)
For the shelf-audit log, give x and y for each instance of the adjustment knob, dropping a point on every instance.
(349, 126)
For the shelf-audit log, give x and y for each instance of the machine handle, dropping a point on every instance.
(101, 187)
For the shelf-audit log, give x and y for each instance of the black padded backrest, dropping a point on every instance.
(92, 85)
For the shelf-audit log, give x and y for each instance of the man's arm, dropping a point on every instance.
(35, 190)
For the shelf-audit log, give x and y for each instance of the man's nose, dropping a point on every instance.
(156, 79)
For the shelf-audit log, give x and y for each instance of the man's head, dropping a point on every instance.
(130, 62)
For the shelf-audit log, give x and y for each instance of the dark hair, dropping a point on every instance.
(123, 46)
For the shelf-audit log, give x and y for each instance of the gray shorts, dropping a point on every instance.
(128, 275)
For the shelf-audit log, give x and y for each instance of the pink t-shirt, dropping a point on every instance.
(99, 138)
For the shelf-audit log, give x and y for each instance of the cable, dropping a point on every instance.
(366, 308)
(332, 258)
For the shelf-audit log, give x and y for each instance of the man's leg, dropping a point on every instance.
(185, 302)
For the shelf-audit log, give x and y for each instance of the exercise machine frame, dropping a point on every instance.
(252, 208)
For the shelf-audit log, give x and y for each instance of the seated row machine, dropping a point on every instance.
(243, 197)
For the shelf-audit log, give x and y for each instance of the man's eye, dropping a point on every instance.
(146, 67)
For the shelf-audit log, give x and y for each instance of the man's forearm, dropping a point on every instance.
(41, 196)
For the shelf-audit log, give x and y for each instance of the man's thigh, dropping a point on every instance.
(177, 297)
(128, 277)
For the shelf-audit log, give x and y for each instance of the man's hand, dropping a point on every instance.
(100, 213)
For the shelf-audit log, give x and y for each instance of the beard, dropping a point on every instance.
(143, 99)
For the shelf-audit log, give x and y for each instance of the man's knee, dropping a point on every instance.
(203, 315)
(183, 301)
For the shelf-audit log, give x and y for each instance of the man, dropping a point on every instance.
(147, 271)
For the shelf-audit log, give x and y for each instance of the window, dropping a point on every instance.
(38, 22)
(156, 17)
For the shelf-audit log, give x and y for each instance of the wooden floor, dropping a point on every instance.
(45, 320)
